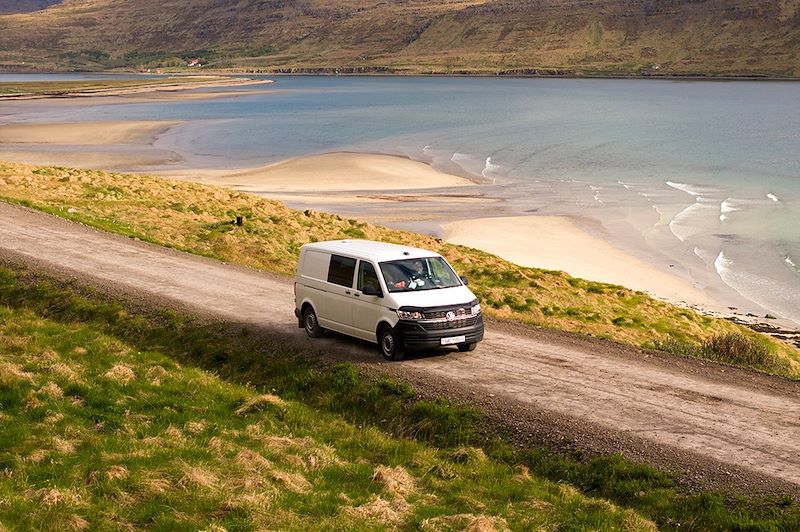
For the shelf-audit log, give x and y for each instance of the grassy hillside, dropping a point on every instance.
(102, 432)
(197, 218)
(115, 418)
(676, 37)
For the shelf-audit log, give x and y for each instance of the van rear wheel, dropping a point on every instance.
(389, 342)
(467, 347)
(311, 323)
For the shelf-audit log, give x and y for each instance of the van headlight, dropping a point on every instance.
(406, 315)
(476, 308)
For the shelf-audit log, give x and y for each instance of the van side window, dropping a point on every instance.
(367, 276)
(341, 270)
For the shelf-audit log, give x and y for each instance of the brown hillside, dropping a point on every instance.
(705, 37)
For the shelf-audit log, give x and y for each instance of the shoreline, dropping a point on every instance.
(163, 89)
(387, 71)
(391, 190)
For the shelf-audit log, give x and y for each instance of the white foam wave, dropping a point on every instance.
(760, 289)
(791, 263)
(727, 206)
(459, 157)
(426, 148)
(706, 256)
(773, 197)
(683, 187)
(681, 225)
(489, 167)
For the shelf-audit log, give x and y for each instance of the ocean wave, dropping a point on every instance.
(780, 299)
(788, 260)
(680, 224)
(683, 187)
(459, 157)
(489, 167)
(773, 197)
(727, 206)
(426, 148)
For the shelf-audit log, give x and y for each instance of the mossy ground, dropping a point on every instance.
(115, 417)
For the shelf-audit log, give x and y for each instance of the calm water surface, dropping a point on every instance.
(702, 174)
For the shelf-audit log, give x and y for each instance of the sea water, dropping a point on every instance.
(700, 174)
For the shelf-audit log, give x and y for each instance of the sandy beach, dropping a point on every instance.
(341, 172)
(557, 243)
(84, 133)
(178, 90)
(381, 188)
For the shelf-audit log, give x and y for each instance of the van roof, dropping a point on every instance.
(370, 249)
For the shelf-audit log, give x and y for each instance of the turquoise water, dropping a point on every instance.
(702, 175)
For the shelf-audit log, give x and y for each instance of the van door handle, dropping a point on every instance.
(357, 294)
(347, 292)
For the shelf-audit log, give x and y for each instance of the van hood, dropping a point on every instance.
(441, 297)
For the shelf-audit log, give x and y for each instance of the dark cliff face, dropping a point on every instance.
(635, 37)
(24, 6)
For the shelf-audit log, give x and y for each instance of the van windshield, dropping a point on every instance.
(418, 274)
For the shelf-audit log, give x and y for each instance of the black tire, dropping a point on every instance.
(390, 345)
(467, 347)
(311, 324)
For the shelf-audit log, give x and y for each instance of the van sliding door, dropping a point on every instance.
(339, 294)
(367, 310)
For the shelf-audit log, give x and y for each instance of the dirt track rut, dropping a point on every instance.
(737, 420)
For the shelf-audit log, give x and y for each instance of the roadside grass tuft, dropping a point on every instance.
(297, 445)
(746, 349)
(198, 219)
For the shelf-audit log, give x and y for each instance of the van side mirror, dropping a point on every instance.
(371, 290)
(464, 280)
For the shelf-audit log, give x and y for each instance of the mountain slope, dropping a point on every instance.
(714, 37)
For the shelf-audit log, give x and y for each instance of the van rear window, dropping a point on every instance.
(341, 270)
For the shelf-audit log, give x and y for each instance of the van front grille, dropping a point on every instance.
(462, 321)
(442, 314)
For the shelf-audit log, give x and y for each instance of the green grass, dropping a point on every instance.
(112, 417)
(198, 219)
(108, 423)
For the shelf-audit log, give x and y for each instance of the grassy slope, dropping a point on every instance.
(109, 421)
(709, 37)
(196, 218)
(102, 432)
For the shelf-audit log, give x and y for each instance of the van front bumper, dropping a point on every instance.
(415, 336)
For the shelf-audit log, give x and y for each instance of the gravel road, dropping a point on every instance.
(721, 426)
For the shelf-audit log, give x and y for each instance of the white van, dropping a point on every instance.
(402, 298)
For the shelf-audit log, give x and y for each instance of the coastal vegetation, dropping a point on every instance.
(198, 219)
(119, 416)
(750, 38)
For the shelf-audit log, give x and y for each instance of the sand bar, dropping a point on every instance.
(332, 172)
(84, 133)
(557, 243)
(201, 82)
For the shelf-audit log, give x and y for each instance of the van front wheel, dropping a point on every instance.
(390, 345)
(311, 324)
